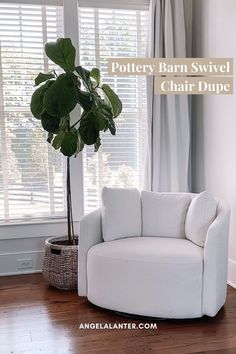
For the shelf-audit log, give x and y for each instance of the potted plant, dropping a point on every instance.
(56, 96)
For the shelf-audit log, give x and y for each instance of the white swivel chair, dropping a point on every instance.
(158, 254)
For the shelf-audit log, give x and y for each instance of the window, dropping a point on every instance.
(31, 173)
(108, 33)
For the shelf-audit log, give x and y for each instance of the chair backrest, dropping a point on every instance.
(164, 214)
(125, 213)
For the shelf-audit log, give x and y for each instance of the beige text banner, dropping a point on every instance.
(194, 85)
(170, 66)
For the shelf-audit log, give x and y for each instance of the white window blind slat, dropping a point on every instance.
(119, 162)
(31, 173)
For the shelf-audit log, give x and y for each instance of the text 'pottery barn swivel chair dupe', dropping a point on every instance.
(158, 254)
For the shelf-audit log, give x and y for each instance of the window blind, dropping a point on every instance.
(31, 173)
(120, 160)
(113, 4)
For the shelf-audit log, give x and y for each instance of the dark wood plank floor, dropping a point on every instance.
(37, 319)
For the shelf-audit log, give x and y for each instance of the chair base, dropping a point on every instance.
(139, 317)
(148, 318)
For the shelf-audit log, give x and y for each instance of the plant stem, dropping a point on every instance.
(82, 117)
(72, 222)
(75, 123)
(55, 73)
(69, 208)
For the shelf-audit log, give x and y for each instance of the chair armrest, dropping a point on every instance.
(90, 235)
(216, 262)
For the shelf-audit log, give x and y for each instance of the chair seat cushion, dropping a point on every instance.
(150, 276)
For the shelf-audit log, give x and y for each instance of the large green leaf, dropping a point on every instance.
(104, 113)
(97, 144)
(69, 143)
(111, 126)
(50, 137)
(50, 123)
(57, 141)
(62, 53)
(61, 98)
(95, 74)
(46, 86)
(80, 144)
(85, 100)
(114, 100)
(36, 104)
(89, 128)
(41, 77)
(104, 108)
(84, 74)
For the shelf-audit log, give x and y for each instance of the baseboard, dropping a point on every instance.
(21, 273)
(11, 262)
(232, 273)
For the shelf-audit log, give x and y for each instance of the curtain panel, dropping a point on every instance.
(168, 150)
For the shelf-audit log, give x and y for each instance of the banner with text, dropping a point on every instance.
(179, 75)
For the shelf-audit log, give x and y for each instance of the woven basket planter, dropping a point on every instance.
(60, 264)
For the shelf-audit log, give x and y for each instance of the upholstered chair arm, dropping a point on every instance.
(90, 235)
(216, 262)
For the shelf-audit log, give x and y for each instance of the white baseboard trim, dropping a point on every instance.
(232, 273)
(21, 273)
(10, 262)
(231, 284)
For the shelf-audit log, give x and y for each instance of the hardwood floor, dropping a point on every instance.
(37, 319)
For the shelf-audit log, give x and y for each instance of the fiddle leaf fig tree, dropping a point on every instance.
(55, 97)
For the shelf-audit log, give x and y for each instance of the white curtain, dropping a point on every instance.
(168, 151)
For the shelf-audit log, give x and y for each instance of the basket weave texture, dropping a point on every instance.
(60, 264)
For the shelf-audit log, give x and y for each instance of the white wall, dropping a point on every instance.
(25, 243)
(214, 117)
